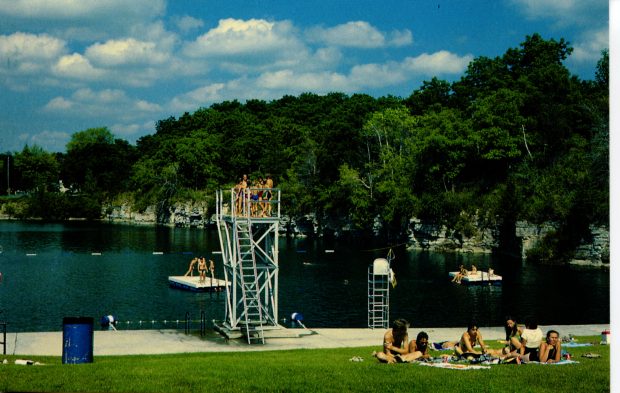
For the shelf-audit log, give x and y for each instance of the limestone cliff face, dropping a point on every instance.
(425, 235)
(179, 214)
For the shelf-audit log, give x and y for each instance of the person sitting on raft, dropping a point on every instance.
(395, 342)
(465, 347)
(461, 273)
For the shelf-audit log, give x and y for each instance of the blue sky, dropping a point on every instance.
(69, 65)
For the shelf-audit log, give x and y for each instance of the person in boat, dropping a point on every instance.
(395, 342)
(550, 350)
(192, 264)
(466, 346)
(474, 270)
(513, 336)
(418, 349)
(531, 338)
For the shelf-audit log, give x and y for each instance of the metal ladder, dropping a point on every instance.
(250, 291)
(378, 299)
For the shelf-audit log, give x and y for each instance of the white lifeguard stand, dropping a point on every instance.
(248, 234)
(379, 279)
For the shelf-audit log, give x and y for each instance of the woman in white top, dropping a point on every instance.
(531, 338)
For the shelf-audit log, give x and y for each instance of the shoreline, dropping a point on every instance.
(152, 342)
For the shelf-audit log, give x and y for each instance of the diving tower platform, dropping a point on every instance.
(248, 223)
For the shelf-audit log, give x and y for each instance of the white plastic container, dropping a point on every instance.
(605, 337)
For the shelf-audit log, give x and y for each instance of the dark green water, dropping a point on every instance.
(129, 281)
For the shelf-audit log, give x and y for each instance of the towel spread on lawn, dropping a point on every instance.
(571, 344)
(560, 363)
(456, 366)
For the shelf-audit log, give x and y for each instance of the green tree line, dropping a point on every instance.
(517, 137)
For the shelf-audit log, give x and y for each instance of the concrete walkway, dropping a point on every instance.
(138, 342)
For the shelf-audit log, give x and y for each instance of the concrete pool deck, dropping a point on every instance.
(143, 342)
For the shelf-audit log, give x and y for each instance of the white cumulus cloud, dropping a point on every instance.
(70, 9)
(589, 46)
(580, 12)
(76, 66)
(187, 23)
(125, 51)
(233, 37)
(358, 34)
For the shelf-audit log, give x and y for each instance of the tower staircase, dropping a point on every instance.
(250, 286)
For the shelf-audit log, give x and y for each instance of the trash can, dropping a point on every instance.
(77, 340)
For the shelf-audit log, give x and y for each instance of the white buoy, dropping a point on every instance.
(329, 251)
(95, 253)
(158, 253)
(31, 255)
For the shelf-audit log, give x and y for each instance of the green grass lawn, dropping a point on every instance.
(299, 371)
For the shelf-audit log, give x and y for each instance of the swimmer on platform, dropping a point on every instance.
(190, 271)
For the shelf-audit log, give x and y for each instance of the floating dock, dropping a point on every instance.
(192, 283)
(479, 278)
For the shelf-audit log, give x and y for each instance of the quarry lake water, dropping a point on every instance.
(53, 270)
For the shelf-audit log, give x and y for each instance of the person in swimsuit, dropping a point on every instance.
(212, 269)
(190, 271)
(513, 336)
(550, 350)
(268, 194)
(462, 273)
(418, 349)
(202, 269)
(469, 339)
(395, 342)
(240, 190)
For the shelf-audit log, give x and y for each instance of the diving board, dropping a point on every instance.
(192, 283)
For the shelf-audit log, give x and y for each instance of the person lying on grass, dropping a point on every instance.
(550, 350)
(395, 342)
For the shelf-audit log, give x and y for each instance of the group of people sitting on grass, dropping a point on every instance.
(522, 345)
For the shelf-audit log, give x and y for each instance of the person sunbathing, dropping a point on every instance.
(472, 337)
(550, 351)
(418, 349)
(513, 336)
(395, 342)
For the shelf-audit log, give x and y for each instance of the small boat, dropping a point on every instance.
(479, 278)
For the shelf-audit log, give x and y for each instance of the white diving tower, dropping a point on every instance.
(248, 232)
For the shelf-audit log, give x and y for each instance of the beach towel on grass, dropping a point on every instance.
(561, 362)
(456, 366)
(438, 347)
(571, 344)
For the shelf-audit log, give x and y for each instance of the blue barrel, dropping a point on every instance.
(77, 340)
